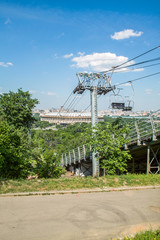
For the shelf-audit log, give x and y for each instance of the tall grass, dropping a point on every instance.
(14, 186)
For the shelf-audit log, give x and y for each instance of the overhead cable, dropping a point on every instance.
(113, 68)
(150, 75)
(135, 64)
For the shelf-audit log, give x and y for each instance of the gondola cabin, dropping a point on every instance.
(118, 105)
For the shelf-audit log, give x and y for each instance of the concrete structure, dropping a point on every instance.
(69, 117)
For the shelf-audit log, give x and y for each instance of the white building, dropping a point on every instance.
(69, 117)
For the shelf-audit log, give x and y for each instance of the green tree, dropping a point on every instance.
(16, 108)
(108, 141)
(15, 153)
(46, 162)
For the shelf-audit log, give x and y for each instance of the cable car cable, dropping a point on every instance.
(135, 64)
(150, 75)
(113, 68)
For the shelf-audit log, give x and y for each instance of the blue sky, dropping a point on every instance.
(44, 43)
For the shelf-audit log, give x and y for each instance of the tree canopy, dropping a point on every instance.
(16, 108)
(108, 142)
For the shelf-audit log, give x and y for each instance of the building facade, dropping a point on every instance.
(69, 117)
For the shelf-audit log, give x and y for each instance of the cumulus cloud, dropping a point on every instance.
(81, 53)
(102, 62)
(148, 91)
(68, 55)
(127, 33)
(3, 64)
(98, 61)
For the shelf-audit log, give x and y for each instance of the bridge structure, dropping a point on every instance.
(142, 139)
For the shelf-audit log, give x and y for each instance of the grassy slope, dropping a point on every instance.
(147, 235)
(14, 186)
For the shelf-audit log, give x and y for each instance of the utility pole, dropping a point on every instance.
(97, 84)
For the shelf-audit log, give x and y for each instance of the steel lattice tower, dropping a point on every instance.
(97, 84)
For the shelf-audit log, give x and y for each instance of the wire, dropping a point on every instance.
(75, 101)
(68, 99)
(153, 74)
(151, 65)
(89, 105)
(113, 68)
(135, 64)
(79, 99)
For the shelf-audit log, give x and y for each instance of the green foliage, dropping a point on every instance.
(71, 137)
(119, 120)
(20, 154)
(37, 117)
(42, 124)
(46, 162)
(108, 141)
(48, 166)
(147, 235)
(14, 152)
(16, 108)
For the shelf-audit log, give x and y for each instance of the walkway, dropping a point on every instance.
(78, 216)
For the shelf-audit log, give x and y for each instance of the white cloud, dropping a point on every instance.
(6, 64)
(102, 62)
(43, 93)
(9, 64)
(81, 53)
(138, 69)
(32, 91)
(98, 61)
(7, 21)
(148, 91)
(127, 33)
(51, 94)
(68, 55)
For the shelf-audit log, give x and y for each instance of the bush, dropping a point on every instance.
(14, 152)
(48, 166)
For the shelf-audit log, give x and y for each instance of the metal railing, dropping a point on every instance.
(142, 129)
(76, 155)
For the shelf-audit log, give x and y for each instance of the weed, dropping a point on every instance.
(36, 185)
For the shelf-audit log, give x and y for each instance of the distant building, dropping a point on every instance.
(69, 117)
(61, 116)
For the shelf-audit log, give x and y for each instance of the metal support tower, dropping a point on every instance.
(97, 84)
(95, 162)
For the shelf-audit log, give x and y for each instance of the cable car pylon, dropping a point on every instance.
(97, 84)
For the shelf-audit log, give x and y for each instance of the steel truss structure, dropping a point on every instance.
(153, 163)
(144, 133)
(97, 84)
